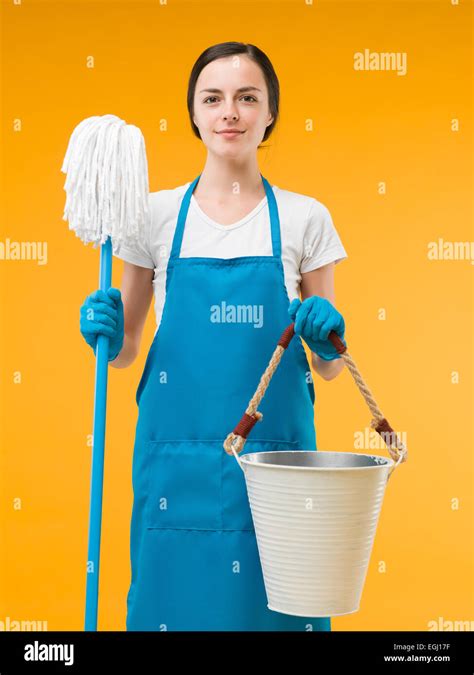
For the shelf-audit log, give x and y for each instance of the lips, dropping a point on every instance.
(230, 132)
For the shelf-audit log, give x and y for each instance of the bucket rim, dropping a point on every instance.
(387, 461)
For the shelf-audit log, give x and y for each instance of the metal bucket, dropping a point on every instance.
(315, 512)
(315, 516)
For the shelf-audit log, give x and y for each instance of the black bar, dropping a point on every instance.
(140, 653)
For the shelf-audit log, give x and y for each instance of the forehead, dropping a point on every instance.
(231, 72)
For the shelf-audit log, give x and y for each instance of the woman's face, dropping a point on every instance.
(219, 105)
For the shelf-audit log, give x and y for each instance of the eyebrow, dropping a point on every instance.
(239, 90)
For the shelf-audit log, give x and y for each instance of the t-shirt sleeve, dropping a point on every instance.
(321, 244)
(139, 252)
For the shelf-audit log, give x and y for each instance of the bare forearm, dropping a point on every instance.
(327, 369)
(127, 354)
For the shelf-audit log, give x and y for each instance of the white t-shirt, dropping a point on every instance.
(308, 237)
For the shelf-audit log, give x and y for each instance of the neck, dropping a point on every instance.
(223, 177)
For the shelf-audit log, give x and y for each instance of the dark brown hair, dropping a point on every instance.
(228, 49)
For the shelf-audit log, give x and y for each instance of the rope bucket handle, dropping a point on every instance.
(236, 440)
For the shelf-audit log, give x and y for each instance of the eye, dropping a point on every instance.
(245, 96)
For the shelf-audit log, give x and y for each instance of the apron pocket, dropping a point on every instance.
(236, 512)
(184, 485)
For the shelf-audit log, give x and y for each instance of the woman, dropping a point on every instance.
(224, 253)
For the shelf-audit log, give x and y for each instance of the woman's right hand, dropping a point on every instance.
(102, 314)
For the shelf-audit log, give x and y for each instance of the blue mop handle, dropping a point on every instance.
(98, 444)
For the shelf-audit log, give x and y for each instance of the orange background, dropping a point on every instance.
(368, 127)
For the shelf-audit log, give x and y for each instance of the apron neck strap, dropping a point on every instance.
(184, 208)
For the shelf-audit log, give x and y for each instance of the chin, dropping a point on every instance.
(230, 153)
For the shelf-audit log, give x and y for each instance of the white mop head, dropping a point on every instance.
(107, 181)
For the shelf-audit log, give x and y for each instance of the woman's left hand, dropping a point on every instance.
(314, 319)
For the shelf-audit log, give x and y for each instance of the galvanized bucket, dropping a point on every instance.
(315, 513)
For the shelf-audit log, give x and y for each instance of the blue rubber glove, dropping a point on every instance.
(314, 319)
(102, 313)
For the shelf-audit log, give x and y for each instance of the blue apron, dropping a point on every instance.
(194, 555)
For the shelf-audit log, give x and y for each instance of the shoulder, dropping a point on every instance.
(302, 207)
(167, 200)
(163, 206)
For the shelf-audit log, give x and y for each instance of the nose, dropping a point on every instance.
(230, 111)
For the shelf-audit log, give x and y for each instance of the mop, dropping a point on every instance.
(106, 203)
